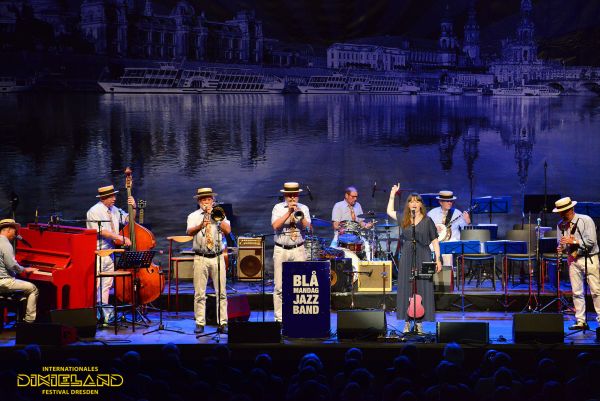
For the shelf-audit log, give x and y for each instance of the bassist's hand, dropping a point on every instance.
(127, 241)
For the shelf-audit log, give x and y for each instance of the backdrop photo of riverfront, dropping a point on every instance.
(58, 149)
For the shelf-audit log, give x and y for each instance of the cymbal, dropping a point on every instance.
(373, 215)
(317, 222)
(386, 225)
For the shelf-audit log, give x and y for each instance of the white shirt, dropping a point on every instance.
(282, 236)
(195, 219)
(437, 216)
(100, 212)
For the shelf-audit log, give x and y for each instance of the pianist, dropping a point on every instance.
(108, 217)
(9, 268)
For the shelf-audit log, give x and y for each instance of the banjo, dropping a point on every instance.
(445, 230)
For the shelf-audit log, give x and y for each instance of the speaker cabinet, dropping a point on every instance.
(251, 259)
(254, 332)
(238, 308)
(463, 332)
(341, 275)
(45, 334)
(84, 320)
(547, 328)
(184, 264)
(359, 324)
(442, 281)
(373, 275)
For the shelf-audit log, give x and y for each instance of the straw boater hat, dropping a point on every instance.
(9, 223)
(446, 195)
(291, 188)
(204, 192)
(563, 204)
(106, 191)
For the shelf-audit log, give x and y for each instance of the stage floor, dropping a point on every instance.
(500, 330)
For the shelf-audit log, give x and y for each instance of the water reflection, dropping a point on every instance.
(57, 149)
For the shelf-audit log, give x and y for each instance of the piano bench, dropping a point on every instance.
(11, 300)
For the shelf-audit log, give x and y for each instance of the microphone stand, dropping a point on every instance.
(218, 248)
(413, 273)
(586, 255)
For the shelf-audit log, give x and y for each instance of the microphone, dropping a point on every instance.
(23, 240)
(374, 189)
(539, 221)
(412, 211)
(309, 193)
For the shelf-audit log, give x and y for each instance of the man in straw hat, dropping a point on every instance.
(209, 260)
(9, 268)
(104, 215)
(443, 215)
(289, 220)
(577, 238)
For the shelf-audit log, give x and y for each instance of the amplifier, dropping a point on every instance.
(250, 261)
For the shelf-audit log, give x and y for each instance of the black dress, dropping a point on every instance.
(425, 233)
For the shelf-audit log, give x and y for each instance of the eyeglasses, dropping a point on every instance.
(352, 196)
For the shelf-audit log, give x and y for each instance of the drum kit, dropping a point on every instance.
(352, 240)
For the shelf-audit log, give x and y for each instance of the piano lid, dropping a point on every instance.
(43, 258)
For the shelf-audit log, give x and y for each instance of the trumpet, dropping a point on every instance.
(298, 215)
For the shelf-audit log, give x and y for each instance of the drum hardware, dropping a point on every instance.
(386, 225)
(373, 215)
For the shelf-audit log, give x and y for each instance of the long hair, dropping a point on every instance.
(406, 217)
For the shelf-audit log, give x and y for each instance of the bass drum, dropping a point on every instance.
(355, 260)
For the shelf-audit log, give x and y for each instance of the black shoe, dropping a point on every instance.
(199, 329)
(579, 326)
(222, 329)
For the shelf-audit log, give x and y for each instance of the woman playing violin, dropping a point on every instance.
(425, 233)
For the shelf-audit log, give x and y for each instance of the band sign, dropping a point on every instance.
(306, 299)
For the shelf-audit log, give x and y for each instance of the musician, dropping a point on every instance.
(425, 235)
(9, 268)
(289, 228)
(347, 210)
(209, 260)
(447, 215)
(107, 218)
(577, 238)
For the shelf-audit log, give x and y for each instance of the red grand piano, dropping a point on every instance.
(65, 258)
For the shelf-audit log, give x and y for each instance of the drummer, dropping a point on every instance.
(347, 210)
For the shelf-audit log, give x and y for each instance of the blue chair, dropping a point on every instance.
(481, 274)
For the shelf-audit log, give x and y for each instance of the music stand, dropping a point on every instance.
(504, 247)
(136, 260)
(491, 205)
(460, 248)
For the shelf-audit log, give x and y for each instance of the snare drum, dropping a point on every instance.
(351, 242)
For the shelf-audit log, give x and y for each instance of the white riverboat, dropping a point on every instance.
(527, 90)
(361, 84)
(168, 79)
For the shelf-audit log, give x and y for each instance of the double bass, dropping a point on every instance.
(150, 282)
